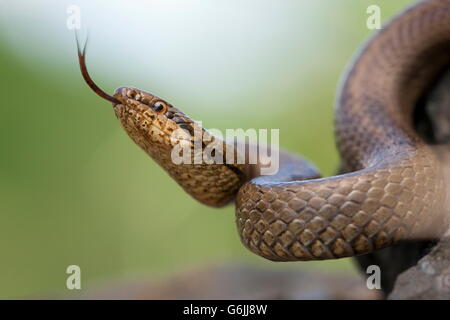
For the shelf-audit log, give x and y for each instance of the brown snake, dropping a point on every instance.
(393, 189)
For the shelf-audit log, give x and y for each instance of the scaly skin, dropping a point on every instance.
(394, 189)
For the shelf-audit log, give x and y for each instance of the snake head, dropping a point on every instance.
(159, 128)
(149, 119)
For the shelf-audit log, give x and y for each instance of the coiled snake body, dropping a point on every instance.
(394, 188)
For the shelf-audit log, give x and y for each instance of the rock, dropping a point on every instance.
(242, 282)
(429, 279)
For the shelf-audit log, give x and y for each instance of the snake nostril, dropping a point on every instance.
(145, 100)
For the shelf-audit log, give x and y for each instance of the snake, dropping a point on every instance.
(391, 187)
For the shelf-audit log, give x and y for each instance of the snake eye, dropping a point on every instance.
(160, 107)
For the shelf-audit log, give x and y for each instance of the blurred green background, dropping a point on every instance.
(74, 189)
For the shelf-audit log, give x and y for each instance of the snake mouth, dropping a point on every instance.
(122, 94)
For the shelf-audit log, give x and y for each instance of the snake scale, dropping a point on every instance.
(392, 188)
